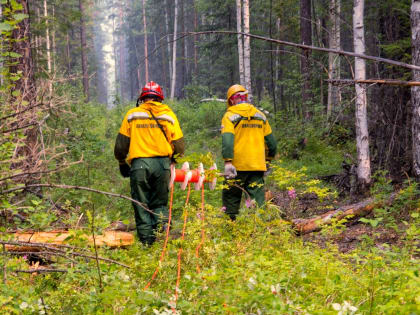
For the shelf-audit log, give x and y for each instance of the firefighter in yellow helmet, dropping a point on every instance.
(246, 134)
(149, 138)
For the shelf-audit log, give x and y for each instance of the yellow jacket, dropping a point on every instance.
(245, 134)
(140, 135)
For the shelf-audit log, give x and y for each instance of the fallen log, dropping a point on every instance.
(109, 238)
(304, 226)
(40, 270)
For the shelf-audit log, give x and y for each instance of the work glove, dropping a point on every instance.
(125, 170)
(230, 171)
(269, 169)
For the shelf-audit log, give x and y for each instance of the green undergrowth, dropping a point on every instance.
(255, 265)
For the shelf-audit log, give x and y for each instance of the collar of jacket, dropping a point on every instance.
(244, 109)
(156, 108)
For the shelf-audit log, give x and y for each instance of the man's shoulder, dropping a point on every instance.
(230, 115)
(134, 110)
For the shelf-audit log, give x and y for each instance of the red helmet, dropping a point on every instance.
(151, 89)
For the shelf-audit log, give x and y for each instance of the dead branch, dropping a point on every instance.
(304, 226)
(54, 249)
(19, 128)
(40, 270)
(7, 212)
(35, 173)
(213, 100)
(49, 253)
(3, 192)
(374, 81)
(328, 50)
(22, 111)
(37, 245)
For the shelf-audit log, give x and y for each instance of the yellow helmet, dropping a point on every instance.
(233, 90)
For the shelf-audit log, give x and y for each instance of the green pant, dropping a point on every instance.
(250, 181)
(149, 179)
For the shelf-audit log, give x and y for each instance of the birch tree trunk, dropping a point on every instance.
(54, 43)
(240, 41)
(146, 57)
(48, 46)
(247, 51)
(84, 51)
(415, 90)
(173, 79)
(334, 59)
(362, 133)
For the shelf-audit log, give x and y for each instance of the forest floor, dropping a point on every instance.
(349, 236)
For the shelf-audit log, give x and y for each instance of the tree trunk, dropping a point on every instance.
(111, 239)
(173, 79)
(184, 28)
(83, 46)
(22, 45)
(146, 57)
(360, 209)
(195, 41)
(122, 67)
(247, 51)
(273, 84)
(54, 43)
(279, 67)
(415, 91)
(240, 41)
(334, 59)
(48, 46)
(305, 68)
(26, 156)
(1, 48)
(168, 42)
(362, 133)
(38, 41)
(68, 56)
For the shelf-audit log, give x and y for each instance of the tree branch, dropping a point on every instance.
(3, 192)
(22, 111)
(328, 50)
(374, 81)
(52, 248)
(18, 128)
(39, 270)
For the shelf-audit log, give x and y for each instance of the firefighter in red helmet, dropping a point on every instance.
(150, 138)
